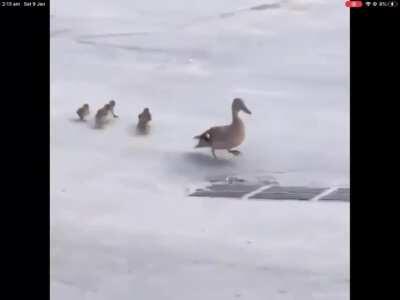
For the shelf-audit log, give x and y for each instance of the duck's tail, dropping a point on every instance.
(204, 140)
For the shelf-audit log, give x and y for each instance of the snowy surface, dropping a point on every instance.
(122, 225)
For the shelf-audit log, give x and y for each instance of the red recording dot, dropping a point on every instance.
(354, 4)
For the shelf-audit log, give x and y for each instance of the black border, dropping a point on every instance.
(373, 92)
(25, 87)
(25, 95)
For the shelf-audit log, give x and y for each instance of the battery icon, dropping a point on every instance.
(354, 4)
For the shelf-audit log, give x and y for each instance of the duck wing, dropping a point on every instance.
(205, 135)
(207, 138)
(204, 139)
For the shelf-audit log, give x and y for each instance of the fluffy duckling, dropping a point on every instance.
(144, 119)
(111, 108)
(83, 111)
(101, 116)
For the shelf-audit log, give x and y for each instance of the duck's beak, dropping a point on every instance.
(246, 110)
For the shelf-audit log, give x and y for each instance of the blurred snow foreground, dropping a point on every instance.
(122, 224)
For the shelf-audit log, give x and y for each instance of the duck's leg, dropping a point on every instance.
(213, 153)
(235, 152)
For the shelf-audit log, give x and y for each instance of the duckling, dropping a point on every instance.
(144, 119)
(111, 108)
(228, 136)
(83, 111)
(101, 116)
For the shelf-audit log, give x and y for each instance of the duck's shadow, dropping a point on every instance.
(92, 124)
(133, 130)
(207, 160)
(197, 166)
(89, 123)
(77, 120)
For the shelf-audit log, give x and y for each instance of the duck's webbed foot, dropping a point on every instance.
(213, 153)
(235, 152)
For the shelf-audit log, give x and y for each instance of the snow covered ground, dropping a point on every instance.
(122, 225)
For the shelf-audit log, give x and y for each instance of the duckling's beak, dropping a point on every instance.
(246, 110)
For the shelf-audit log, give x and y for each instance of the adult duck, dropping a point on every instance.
(226, 137)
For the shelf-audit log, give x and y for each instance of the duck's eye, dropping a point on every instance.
(207, 136)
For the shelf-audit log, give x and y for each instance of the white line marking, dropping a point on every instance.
(259, 190)
(323, 194)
